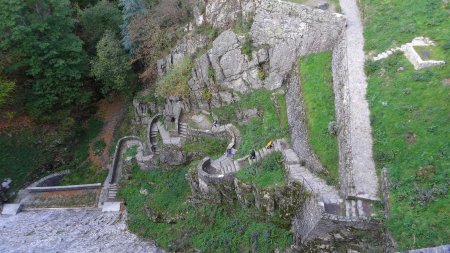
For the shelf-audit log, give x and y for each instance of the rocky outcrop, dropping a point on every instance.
(272, 47)
(186, 47)
(223, 13)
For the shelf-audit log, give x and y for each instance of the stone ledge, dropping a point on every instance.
(64, 188)
(11, 209)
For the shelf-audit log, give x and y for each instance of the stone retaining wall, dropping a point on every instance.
(298, 125)
(342, 111)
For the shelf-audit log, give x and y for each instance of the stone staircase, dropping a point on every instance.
(112, 191)
(358, 208)
(154, 138)
(225, 165)
(183, 129)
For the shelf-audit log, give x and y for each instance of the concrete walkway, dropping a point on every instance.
(363, 175)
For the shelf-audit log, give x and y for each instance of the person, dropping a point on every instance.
(229, 152)
(269, 145)
(253, 154)
(215, 123)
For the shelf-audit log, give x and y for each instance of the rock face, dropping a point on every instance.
(69, 231)
(276, 41)
(187, 46)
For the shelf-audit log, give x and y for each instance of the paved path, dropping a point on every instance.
(363, 167)
(69, 231)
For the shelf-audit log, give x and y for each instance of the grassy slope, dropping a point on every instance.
(410, 119)
(209, 145)
(258, 131)
(265, 173)
(211, 228)
(317, 83)
(20, 156)
(85, 172)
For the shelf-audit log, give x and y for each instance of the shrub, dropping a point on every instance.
(261, 73)
(175, 82)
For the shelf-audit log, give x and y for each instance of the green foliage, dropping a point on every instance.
(261, 73)
(38, 36)
(210, 228)
(94, 127)
(21, 156)
(409, 116)
(175, 81)
(266, 172)
(317, 84)
(259, 130)
(131, 152)
(211, 73)
(99, 146)
(111, 65)
(86, 174)
(247, 48)
(6, 88)
(243, 26)
(207, 95)
(208, 145)
(96, 20)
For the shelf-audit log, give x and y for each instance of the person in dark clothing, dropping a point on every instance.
(215, 123)
(253, 154)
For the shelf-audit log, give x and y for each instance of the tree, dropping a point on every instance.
(38, 35)
(96, 20)
(111, 65)
(130, 9)
(6, 87)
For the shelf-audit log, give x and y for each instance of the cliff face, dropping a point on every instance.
(280, 33)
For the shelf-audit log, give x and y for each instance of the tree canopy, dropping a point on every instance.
(38, 35)
(111, 65)
(96, 20)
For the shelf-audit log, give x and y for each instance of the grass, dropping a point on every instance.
(410, 119)
(175, 81)
(210, 228)
(430, 52)
(259, 130)
(317, 84)
(28, 155)
(266, 172)
(21, 156)
(86, 174)
(210, 146)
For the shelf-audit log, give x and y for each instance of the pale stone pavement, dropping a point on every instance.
(363, 173)
(69, 231)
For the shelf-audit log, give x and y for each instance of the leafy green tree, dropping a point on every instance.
(38, 35)
(96, 20)
(6, 87)
(111, 65)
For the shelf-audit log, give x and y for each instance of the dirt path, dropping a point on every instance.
(111, 113)
(363, 167)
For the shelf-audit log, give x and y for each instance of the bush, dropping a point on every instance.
(175, 82)
(266, 172)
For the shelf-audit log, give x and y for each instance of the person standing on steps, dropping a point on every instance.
(269, 145)
(253, 154)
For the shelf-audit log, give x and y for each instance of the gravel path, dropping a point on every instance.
(363, 167)
(69, 231)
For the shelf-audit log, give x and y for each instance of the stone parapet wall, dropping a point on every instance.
(342, 111)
